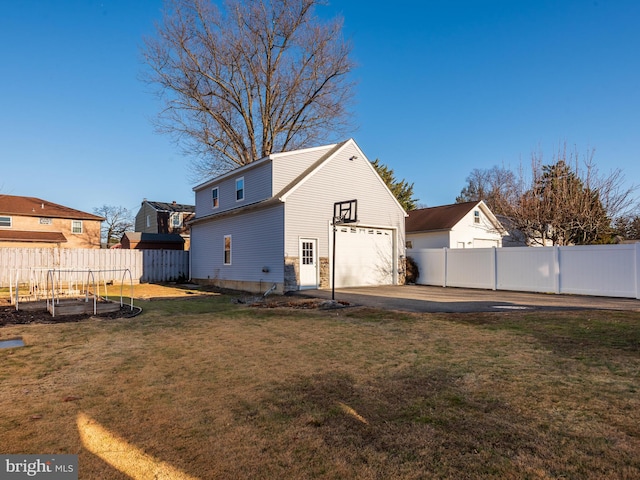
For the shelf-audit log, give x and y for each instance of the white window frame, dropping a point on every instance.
(175, 215)
(227, 261)
(7, 219)
(215, 200)
(476, 217)
(74, 224)
(148, 221)
(238, 180)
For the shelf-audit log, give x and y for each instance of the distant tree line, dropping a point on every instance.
(565, 202)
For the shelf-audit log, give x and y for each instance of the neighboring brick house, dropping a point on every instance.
(33, 222)
(162, 217)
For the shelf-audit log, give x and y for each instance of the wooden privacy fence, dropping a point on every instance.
(145, 265)
(601, 270)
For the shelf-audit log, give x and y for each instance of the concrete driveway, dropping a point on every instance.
(421, 298)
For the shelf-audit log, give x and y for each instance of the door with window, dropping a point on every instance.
(308, 263)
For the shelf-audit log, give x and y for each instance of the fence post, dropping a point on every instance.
(494, 270)
(444, 280)
(556, 268)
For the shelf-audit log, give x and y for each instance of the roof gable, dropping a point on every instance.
(309, 172)
(36, 207)
(325, 154)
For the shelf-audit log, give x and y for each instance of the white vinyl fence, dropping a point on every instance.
(601, 270)
(145, 265)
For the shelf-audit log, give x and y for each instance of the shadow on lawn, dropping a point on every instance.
(420, 420)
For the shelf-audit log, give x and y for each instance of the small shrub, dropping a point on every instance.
(413, 271)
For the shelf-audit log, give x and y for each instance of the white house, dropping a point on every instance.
(270, 223)
(460, 225)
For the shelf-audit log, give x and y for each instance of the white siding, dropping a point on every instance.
(257, 187)
(257, 242)
(474, 235)
(287, 168)
(429, 240)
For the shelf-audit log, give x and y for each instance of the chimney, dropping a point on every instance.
(174, 203)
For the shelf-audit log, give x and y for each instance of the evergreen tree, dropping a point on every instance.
(401, 189)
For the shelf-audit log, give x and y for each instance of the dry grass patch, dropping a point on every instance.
(221, 390)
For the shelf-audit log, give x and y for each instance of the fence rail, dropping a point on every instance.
(145, 265)
(600, 270)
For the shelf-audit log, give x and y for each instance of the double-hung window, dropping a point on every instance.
(76, 226)
(5, 222)
(175, 220)
(476, 216)
(215, 197)
(239, 189)
(227, 249)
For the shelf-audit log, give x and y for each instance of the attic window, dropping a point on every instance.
(5, 222)
(476, 216)
(176, 222)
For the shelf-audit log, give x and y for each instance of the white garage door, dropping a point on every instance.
(364, 256)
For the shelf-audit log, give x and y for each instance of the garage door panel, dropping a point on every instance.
(364, 256)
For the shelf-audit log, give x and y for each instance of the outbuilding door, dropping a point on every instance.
(364, 256)
(308, 263)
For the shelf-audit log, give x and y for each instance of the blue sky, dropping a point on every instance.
(443, 87)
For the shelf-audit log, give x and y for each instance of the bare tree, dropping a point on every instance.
(117, 221)
(497, 186)
(567, 202)
(250, 79)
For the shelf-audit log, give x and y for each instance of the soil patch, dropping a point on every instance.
(11, 316)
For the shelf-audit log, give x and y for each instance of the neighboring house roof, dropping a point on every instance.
(37, 237)
(281, 196)
(444, 217)
(36, 207)
(171, 207)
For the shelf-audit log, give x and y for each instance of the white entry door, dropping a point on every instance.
(308, 263)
